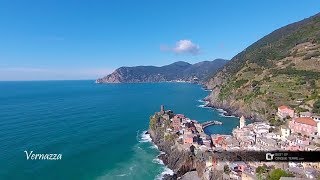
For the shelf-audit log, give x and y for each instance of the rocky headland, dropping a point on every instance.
(183, 161)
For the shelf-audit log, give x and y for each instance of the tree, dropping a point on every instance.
(276, 174)
(226, 169)
(261, 169)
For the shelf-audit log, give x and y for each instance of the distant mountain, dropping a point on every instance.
(178, 71)
(281, 68)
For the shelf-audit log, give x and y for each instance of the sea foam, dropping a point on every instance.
(165, 171)
(145, 137)
(223, 112)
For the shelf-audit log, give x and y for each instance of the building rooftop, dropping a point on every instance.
(283, 107)
(306, 120)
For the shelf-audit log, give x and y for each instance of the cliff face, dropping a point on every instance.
(281, 68)
(177, 71)
(180, 161)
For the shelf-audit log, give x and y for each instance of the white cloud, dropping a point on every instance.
(183, 46)
(186, 46)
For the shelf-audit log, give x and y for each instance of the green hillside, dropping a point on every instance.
(281, 68)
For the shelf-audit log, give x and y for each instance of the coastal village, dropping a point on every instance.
(300, 132)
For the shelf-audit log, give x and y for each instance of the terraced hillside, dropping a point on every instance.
(281, 68)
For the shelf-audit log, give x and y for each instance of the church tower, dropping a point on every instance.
(242, 122)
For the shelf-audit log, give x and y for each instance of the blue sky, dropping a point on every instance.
(64, 39)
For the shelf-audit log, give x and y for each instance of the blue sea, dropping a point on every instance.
(98, 128)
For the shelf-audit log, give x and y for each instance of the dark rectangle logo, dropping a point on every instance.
(268, 156)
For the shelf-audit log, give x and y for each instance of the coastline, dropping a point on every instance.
(167, 172)
(162, 157)
(225, 112)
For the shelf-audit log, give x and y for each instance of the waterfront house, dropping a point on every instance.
(304, 126)
(284, 112)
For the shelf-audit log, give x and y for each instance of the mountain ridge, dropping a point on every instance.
(177, 71)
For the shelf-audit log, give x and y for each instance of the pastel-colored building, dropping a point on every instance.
(188, 139)
(285, 111)
(304, 125)
(176, 123)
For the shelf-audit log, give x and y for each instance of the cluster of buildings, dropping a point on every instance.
(301, 133)
(190, 133)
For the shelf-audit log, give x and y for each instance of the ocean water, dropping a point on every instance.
(97, 128)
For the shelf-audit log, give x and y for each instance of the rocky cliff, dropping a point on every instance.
(179, 160)
(178, 71)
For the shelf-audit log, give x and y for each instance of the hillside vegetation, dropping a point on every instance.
(281, 68)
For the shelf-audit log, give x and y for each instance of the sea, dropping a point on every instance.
(99, 129)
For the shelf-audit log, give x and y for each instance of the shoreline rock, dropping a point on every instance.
(180, 162)
(231, 110)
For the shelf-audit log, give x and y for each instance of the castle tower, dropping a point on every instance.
(162, 109)
(242, 122)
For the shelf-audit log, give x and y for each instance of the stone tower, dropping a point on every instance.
(162, 109)
(242, 122)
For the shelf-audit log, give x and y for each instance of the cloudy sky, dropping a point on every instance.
(64, 39)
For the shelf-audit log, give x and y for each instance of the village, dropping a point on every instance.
(300, 133)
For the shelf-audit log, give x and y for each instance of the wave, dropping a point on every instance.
(145, 137)
(223, 113)
(204, 106)
(209, 90)
(154, 146)
(158, 161)
(165, 171)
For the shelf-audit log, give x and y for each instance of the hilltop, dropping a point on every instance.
(281, 68)
(178, 71)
